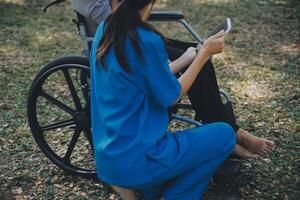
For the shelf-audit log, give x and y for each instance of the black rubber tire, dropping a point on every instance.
(81, 63)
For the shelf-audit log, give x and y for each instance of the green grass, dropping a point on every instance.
(260, 68)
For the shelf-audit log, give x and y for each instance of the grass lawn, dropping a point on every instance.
(260, 68)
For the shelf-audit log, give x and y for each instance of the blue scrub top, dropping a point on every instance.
(129, 110)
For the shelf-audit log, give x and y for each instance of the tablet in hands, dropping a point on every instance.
(226, 26)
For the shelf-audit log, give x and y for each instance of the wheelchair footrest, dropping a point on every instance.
(230, 166)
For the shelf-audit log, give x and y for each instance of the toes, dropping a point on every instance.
(250, 155)
(268, 150)
(254, 156)
(263, 152)
(271, 147)
(270, 143)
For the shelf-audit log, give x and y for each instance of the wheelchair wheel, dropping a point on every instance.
(58, 110)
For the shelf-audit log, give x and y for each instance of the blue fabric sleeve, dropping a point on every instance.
(161, 84)
(95, 44)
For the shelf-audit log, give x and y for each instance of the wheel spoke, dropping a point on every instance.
(58, 103)
(57, 125)
(87, 128)
(72, 90)
(84, 76)
(88, 136)
(72, 144)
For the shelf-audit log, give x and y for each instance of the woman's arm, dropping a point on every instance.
(212, 45)
(184, 60)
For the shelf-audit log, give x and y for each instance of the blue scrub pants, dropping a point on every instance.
(209, 145)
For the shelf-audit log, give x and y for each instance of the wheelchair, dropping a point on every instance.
(58, 106)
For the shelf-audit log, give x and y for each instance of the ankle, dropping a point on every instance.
(125, 194)
(240, 135)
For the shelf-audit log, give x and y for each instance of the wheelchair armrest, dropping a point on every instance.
(166, 15)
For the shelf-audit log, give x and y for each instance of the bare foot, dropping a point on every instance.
(244, 153)
(256, 145)
(124, 193)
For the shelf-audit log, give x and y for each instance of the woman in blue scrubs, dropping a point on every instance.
(132, 86)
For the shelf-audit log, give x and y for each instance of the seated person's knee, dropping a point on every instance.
(226, 132)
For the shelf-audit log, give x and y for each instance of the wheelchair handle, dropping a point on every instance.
(177, 17)
(166, 16)
(52, 3)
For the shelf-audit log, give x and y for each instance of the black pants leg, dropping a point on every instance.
(205, 96)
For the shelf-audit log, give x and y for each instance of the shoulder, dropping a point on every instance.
(100, 30)
(98, 35)
(95, 43)
(149, 37)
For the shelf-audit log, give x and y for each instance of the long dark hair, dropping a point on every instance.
(120, 24)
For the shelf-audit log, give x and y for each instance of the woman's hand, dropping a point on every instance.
(214, 44)
(189, 55)
(211, 46)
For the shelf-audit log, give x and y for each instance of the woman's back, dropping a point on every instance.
(130, 95)
(129, 110)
